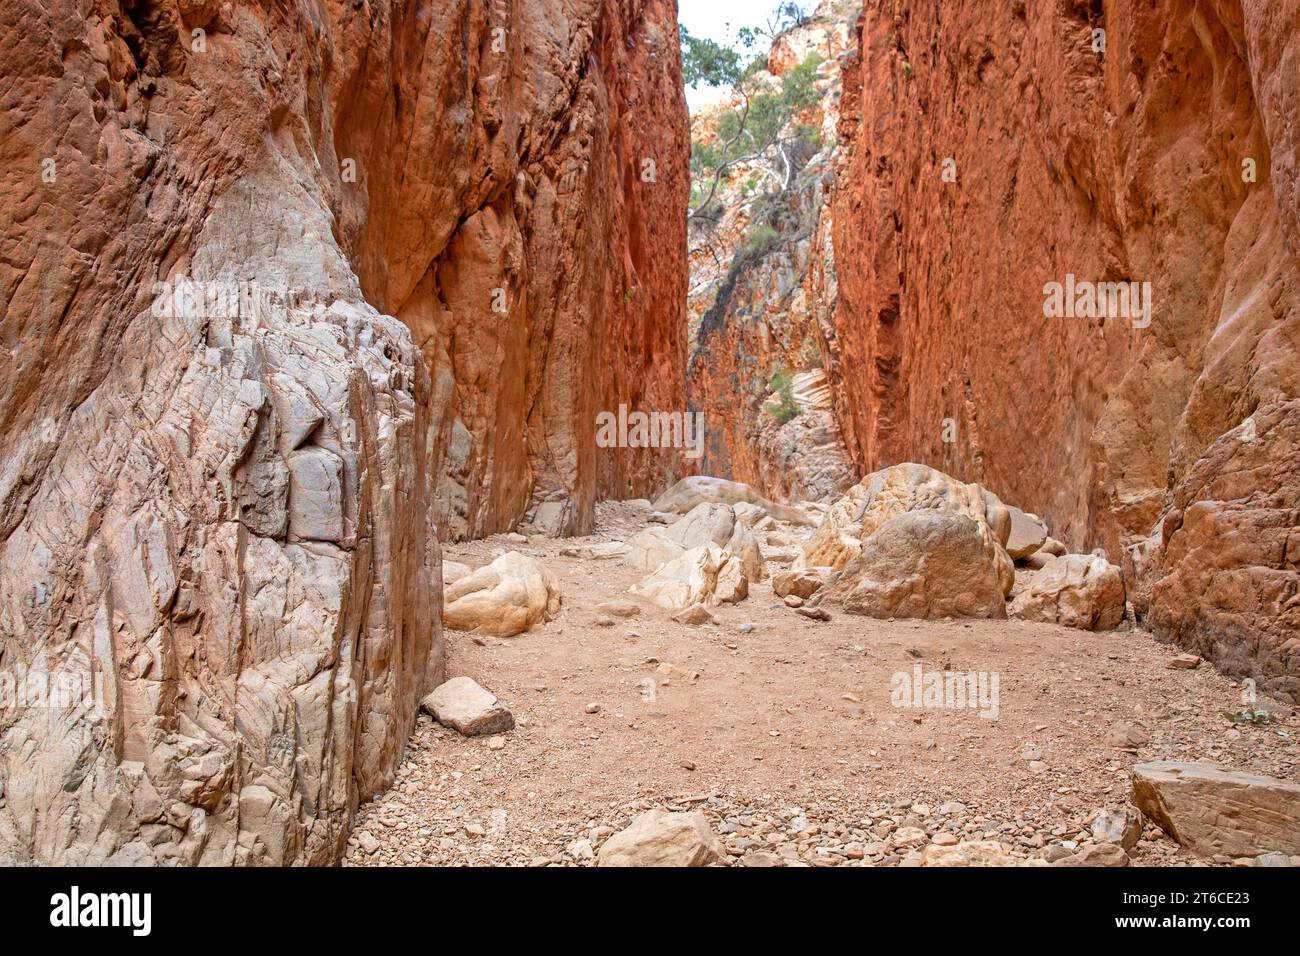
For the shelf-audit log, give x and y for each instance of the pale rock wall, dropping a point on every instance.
(227, 524)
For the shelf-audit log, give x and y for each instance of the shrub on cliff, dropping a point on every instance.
(785, 407)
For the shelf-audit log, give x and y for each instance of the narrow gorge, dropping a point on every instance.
(425, 441)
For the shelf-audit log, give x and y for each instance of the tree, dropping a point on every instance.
(757, 131)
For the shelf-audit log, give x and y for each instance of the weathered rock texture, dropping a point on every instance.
(1075, 590)
(1212, 811)
(1178, 440)
(220, 523)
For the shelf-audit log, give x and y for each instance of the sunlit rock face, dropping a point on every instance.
(253, 363)
(762, 290)
(1117, 142)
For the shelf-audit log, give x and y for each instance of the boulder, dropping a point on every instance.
(698, 489)
(1053, 548)
(704, 525)
(1027, 535)
(1212, 811)
(898, 490)
(599, 551)
(504, 598)
(689, 579)
(660, 838)
(1037, 561)
(467, 708)
(732, 585)
(974, 853)
(998, 516)
(453, 571)
(802, 582)
(922, 564)
(1077, 590)
(748, 514)
(1096, 854)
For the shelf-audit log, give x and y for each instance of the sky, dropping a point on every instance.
(719, 20)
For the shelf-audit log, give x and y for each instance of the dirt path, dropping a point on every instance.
(785, 735)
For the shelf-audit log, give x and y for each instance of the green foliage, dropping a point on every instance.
(798, 84)
(746, 131)
(708, 62)
(785, 407)
(759, 240)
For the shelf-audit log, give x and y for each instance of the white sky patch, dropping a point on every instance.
(719, 20)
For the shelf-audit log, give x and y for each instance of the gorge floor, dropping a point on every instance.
(785, 736)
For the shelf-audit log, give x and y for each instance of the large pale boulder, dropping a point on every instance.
(732, 585)
(467, 708)
(660, 838)
(504, 598)
(689, 579)
(453, 571)
(696, 489)
(1212, 811)
(899, 489)
(1028, 534)
(922, 564)
(704, 525)
(1078, 590)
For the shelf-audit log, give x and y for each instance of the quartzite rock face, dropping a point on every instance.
(220, 510)
(987, 150)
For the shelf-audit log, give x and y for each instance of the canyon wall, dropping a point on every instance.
(285, 288)
(762, 296)
(991, 147)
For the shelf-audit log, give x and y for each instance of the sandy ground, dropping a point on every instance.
(786, 735)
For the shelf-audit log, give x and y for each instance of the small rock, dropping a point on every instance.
(660, 838)
(623, 609)
(695, 615)
(1122, 827)
(1103, 854)
(1185, 662)
(813, 613)
(467, 708)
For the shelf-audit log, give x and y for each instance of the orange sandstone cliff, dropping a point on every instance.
(1112, 142)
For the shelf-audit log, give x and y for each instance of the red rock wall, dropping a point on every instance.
(1176, 443)
(223, 522)
(560, 182)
